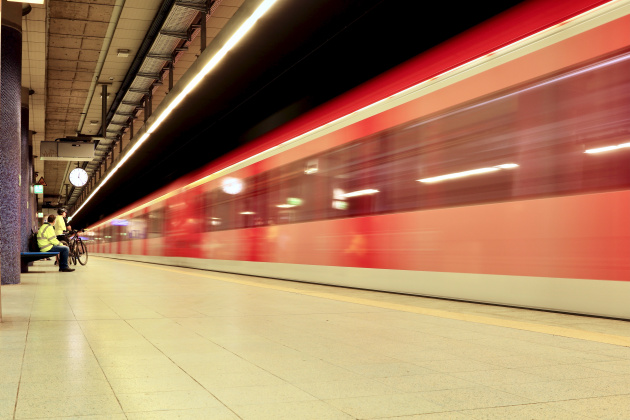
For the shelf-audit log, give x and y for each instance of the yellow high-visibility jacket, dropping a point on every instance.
(60, 225)
(46, 237)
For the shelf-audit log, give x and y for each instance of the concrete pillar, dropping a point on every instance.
(10, 141)
(0, 221)
(31, 172)
(26, 174)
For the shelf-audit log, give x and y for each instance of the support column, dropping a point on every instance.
(204, 24)
(103, 111)
(0, 221)
(150, 101)
(170, 77)
(26, 173)
(10, 141)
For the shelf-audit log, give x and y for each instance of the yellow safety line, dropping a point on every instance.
(519, 325)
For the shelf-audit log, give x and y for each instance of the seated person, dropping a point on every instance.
(48, 242)
(60, 229)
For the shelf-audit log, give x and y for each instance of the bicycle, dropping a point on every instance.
(78, 250)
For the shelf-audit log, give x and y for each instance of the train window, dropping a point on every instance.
(353, 179)
(312, 185)
(282, 204)
(207, 211)
(564, 120)
(297, 199)
(246, 214)
(598, 118)
(120, 232)
(155, 223)
(269, 185)
(107, 235)
(468, 155)
(138, 227)
(222, 210)
(260, 205)
(399, 169)
(242, 204)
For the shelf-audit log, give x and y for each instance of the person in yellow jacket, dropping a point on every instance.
(60, 224)
(47, 241)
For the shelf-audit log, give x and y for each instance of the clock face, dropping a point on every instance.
(78, 177)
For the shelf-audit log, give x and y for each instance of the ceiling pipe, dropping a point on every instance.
(107, 41)
(113, 23)
(153, 32)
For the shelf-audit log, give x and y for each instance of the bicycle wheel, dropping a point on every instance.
(81, 252)
(72, 255)
(71, 259)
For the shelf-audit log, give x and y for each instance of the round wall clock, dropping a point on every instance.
(78, 177)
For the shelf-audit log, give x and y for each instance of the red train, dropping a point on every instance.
(493, 168)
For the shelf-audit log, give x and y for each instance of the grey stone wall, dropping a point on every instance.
(10, 156)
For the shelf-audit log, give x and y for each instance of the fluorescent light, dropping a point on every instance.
(232, 185)
(285, 206)
(607, 148)
(458, 175)
(247, 212)
(361, 192)
(468, 173)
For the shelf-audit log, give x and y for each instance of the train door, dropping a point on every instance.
(183, 225)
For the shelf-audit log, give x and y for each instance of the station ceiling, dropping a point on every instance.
(300, 55)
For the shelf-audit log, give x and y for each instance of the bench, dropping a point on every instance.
(27, 257)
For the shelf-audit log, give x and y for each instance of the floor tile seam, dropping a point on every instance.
(280, 343)
(469, 384)
(328, 405)
(587, 388)
(184, 370)
(533, 404)
(479, 319)
(446, 409)
(99, 365)
(576, 411)
(17, 394)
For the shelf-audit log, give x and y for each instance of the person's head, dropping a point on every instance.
(61, 212)
(51, 218)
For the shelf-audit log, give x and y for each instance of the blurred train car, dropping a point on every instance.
(493, 168)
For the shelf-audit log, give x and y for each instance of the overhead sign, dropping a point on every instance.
(42, 182)
(38, 189)
(66, 150)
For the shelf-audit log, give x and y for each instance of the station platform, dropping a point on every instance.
(125, 340)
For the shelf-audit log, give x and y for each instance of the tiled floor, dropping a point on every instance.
(121, 340)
